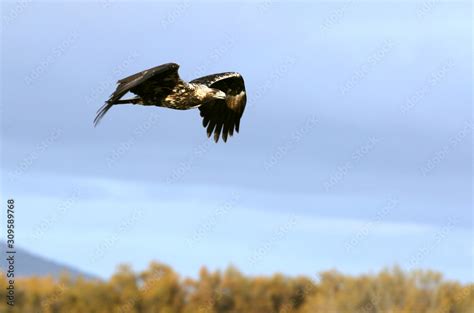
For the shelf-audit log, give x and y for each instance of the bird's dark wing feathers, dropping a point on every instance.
(165, 73)
(168, 70)
(223, 115)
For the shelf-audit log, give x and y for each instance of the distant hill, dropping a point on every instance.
(28, 264)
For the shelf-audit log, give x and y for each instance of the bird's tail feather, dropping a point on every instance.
(101, 112)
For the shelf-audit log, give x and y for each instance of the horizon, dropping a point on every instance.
(62, 268)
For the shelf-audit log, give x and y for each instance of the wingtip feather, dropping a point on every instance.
(101, 112)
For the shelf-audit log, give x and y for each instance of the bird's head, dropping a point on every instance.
(218, 94)
(205, 93)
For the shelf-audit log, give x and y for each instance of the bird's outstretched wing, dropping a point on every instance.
(223, 115)
(166, 75)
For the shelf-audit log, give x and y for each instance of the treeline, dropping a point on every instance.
(160, 289)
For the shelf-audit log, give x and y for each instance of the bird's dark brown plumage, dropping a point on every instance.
(223, 115)
(221, 98)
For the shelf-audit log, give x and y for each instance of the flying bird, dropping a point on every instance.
(221, 98)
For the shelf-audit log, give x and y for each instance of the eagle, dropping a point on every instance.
(221, 98)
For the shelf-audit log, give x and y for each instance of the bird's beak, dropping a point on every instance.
(220, 95)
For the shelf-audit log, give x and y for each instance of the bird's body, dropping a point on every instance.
(220, 97)
(183, 96)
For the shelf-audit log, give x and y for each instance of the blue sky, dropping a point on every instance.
(355, 149)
